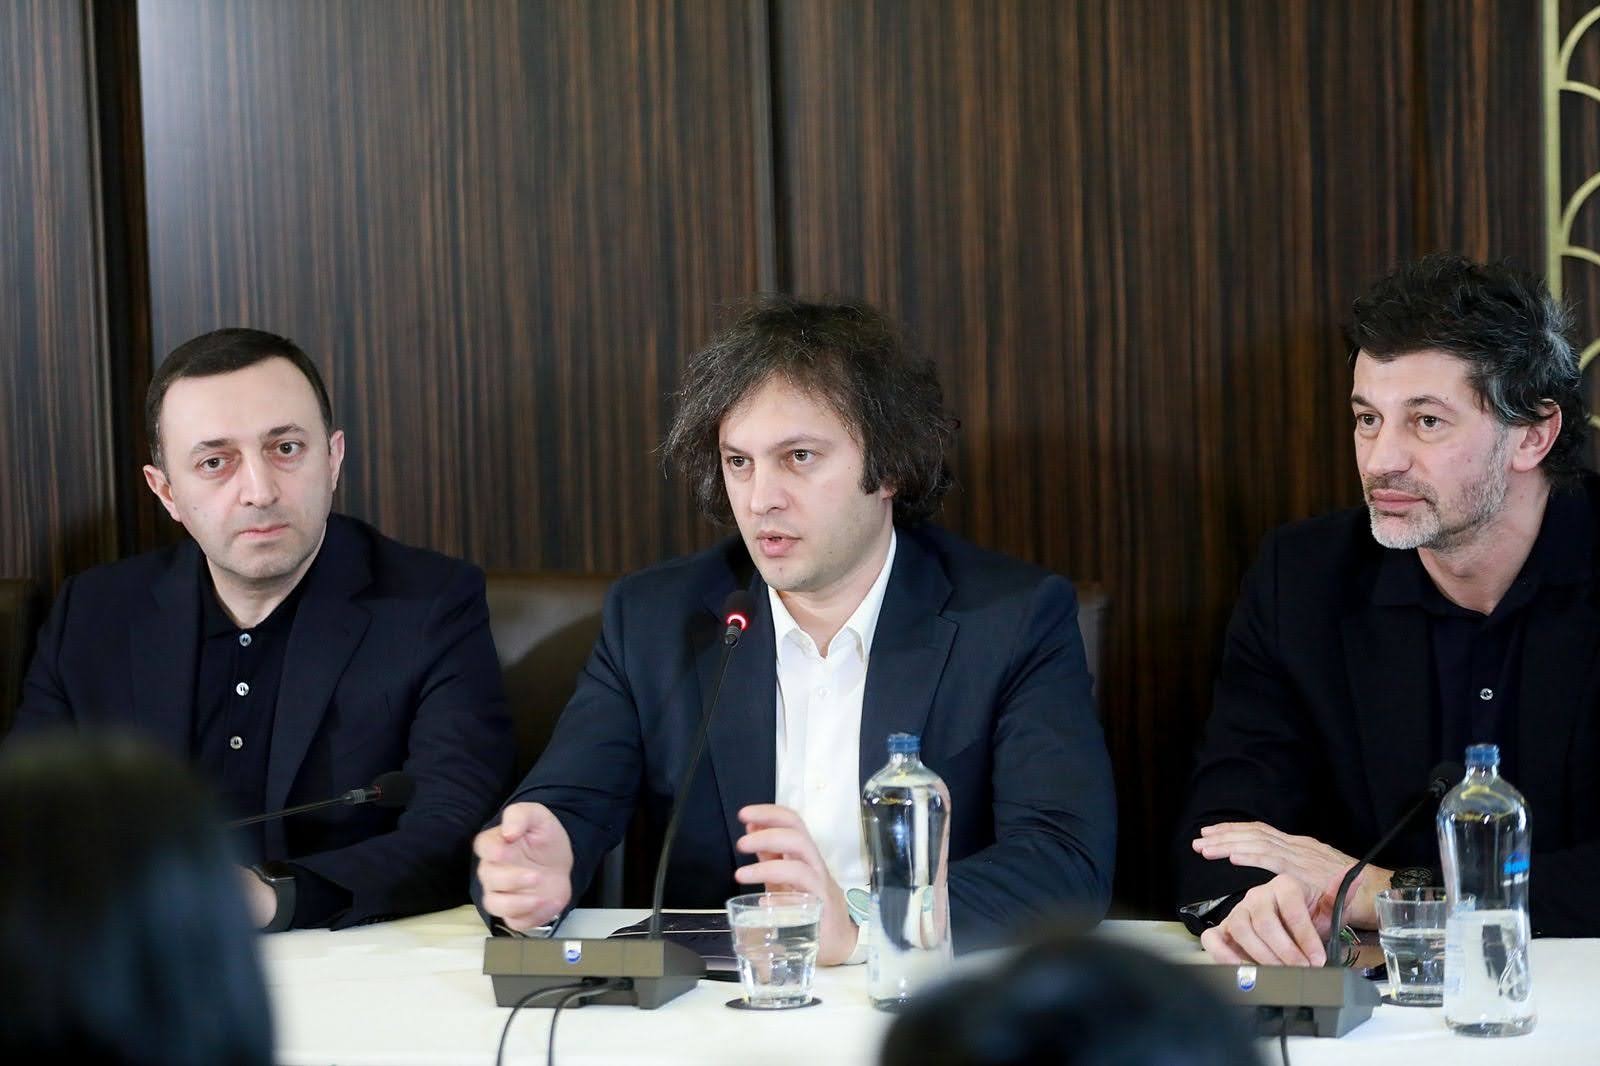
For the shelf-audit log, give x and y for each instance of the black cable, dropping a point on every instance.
(1283, 1037)
(500, 1054)
(582, 993)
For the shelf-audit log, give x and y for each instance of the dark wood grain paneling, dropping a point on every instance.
(500, 226)
(57, 512)
(1127, 232)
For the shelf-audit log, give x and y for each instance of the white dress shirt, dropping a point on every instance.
(819, 728)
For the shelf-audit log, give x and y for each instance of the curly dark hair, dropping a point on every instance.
(848, 355)
(1503, 322)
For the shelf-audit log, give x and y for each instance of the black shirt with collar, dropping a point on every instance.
(237, 677)
(235, 699)
(1477, 658)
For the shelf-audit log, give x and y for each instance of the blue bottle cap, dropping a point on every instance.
(904, 744)
(1483, 756)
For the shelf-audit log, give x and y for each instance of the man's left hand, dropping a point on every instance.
(1306, 859)
(259, 897)
(787, 860)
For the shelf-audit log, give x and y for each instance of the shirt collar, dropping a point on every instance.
(863, 621)
(214, 620)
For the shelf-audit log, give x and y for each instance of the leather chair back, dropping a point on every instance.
(19, 619)
(1092, 606)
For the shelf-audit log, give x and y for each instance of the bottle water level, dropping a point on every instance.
(1487, 988)
(908, 942)
(777, 953)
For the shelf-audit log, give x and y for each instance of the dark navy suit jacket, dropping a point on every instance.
(976, 652)
(389, 666)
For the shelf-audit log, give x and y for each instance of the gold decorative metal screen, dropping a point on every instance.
(1561, 212)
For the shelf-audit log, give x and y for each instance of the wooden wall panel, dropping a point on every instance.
(1127, 232)
(500, 226)
(57, 512)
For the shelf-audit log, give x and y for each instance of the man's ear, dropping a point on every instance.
(156, 478)
(1530, 444)
(335, 457)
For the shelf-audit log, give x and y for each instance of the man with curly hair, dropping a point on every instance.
(813, 430)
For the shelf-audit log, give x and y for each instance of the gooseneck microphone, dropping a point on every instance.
(645, 972)
(393, 789)
(1441, 779)
(1328, 1000)
(735, 620)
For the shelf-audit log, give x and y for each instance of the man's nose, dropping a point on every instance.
(1386, 452)
(767, 492)
(258, 485)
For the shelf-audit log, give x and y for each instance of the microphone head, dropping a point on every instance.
(1443, 777)
(394, 789)
(737, 609)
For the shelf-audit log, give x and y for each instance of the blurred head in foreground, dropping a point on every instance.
(1071, 1001)
(123, 931)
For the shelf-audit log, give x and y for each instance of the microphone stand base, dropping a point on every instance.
(658, 971)
(1317, 1000)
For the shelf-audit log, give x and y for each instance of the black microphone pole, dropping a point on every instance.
(1440, 780)
(393, 789)
(736, 618)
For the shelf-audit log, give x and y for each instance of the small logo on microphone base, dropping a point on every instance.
(572, 951)
(1246, 978)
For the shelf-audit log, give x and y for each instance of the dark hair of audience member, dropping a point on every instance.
(1514, 336)
(849, 357)
(124, 935)
(1071, 1001)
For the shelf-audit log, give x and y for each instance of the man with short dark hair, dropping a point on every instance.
(822, 439)
(1458, 606)
(289, 654)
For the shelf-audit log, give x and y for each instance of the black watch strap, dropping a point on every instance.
(278, 876)
(1201, 915)
(1414, 877)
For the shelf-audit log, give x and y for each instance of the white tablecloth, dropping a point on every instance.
(413, 992)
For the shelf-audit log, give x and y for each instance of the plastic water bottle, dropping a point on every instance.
(905, 817)
(1484, 843)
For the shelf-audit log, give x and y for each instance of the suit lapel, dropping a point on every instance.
(909, 648)
(328, 627)
(743, 740)
(1391, 681)
(165, 645)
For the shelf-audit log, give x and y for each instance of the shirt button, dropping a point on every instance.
(242, 688)
(236, 743)
(1486, 693)
(244, 640)
(823, 692)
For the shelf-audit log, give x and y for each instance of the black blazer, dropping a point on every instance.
(389, 666)
(977, 653)
(1324, 714)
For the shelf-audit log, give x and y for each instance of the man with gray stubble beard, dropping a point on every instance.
(1458, 606)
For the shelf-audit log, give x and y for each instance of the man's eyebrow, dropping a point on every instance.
(1356, 399)
(799, 440)
(279, 431)
(208, 445)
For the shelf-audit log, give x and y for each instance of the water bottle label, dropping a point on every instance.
(1516, 864)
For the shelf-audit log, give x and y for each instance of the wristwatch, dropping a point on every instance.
(278, 876)
(1413, 877)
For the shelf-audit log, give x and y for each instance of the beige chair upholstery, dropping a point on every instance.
(19, 618)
